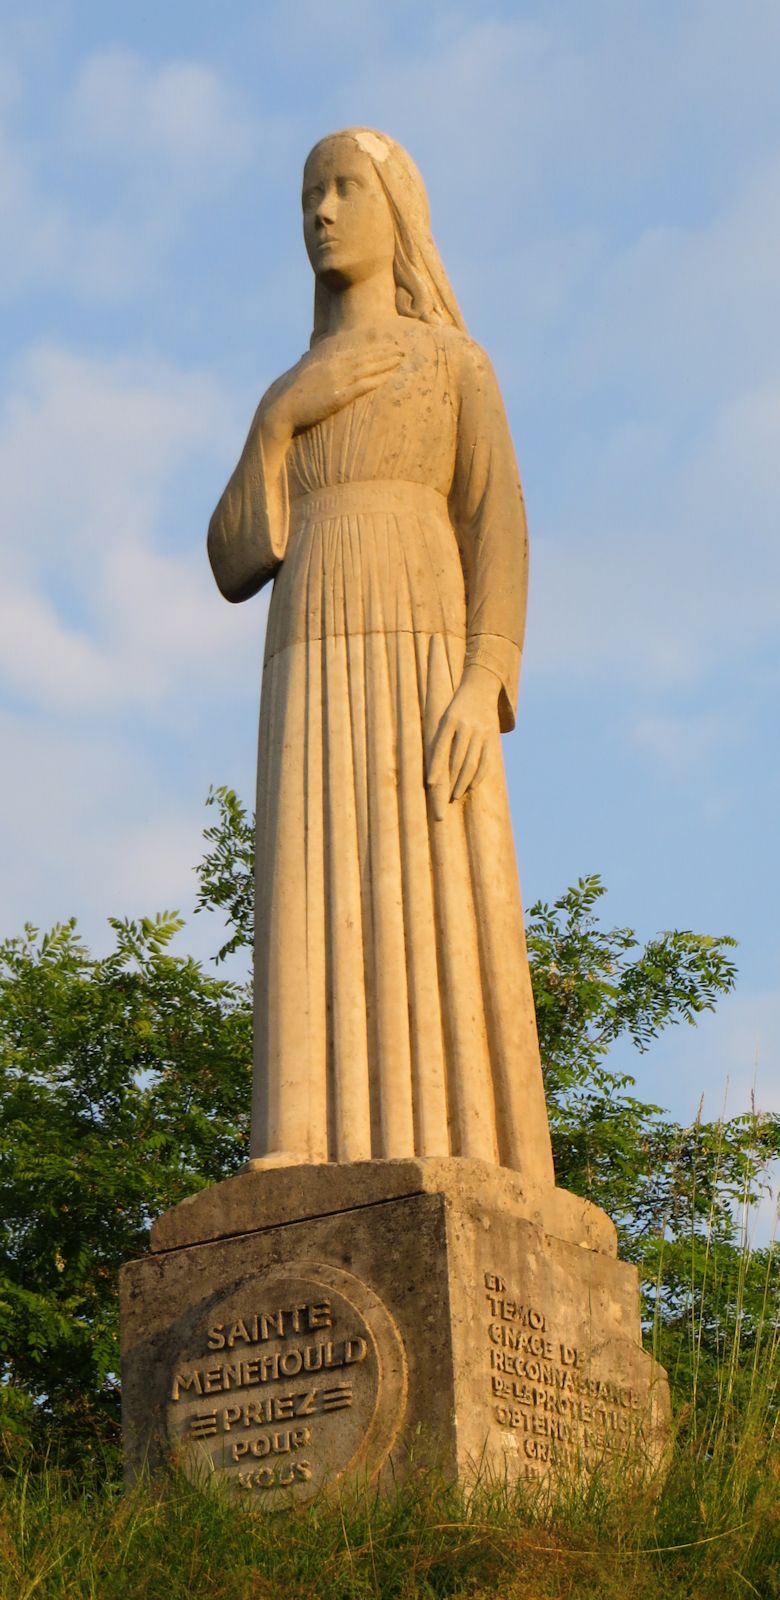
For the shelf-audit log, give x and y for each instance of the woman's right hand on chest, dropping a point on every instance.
(324, 381)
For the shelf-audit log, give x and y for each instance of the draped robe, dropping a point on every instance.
(393, 1005)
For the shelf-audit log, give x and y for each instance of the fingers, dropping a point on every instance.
(469, 767)
(365, 363)
(362, 385)
(439, 762)
(458, 750)
(367, 377)
(458, 762)
(358, 382)
(388, 350)
(375, 362)
(438, 776)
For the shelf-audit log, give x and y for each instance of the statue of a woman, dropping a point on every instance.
(378, 488)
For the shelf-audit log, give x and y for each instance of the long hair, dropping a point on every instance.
(422, 288)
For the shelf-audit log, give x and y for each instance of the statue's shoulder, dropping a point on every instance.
(454, 340)
(468, 361)
(459, 345)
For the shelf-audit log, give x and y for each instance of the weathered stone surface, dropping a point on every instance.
(262, 1197)
(443, 1322)
(319, 1374)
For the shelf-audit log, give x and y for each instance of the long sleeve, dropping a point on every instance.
(247, 535)
(488, 514)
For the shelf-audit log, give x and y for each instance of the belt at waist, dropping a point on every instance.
(371, 494)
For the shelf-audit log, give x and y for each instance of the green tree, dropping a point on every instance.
(124, 1086)
(680, 1196)
(596, 988)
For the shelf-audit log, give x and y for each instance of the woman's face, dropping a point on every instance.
(347, 224)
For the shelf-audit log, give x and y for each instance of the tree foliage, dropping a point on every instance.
(125, 1086)
(226, 872)
(594, 989)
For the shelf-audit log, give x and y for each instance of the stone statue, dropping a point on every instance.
(378, 488)
(394, 1280)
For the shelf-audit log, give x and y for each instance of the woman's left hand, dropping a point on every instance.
(459, 754)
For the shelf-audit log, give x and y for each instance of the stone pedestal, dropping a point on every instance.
(306, 1326)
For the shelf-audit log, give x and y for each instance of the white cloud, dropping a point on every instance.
(679, 743)
(179, 113)
(97, 200)
(682, 311)
(153, 861)
(732, 482)
(39, 655)
(89, 829)
(107, 599)
(669, 568)
(33, 229)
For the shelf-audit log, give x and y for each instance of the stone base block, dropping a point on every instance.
(299, 1328)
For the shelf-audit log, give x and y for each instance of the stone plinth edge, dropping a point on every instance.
(260, 1198)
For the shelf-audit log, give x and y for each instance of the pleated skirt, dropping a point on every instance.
(393, 1006)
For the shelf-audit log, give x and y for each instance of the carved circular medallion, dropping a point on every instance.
(287, 1379)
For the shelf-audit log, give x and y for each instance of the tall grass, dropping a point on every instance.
(711, 1535)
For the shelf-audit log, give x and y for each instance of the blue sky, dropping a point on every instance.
(605, 188)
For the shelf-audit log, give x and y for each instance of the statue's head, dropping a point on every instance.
(365, 210)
